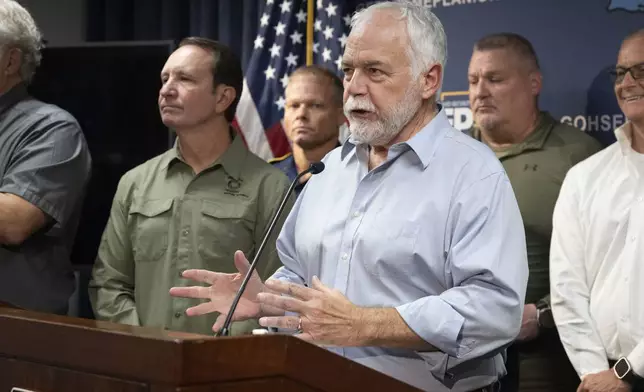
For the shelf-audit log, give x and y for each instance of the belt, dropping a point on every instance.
(494, 387)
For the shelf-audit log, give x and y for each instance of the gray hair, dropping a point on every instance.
(18, 29)
(427, 39)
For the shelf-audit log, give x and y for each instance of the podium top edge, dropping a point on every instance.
(103, 326)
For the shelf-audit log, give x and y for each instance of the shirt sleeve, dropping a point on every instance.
(586, 147)
(636, 359)
(274, 189)
(111, 289)
(51, 167)
(286, 251)
(569, 292)
(487, 264)
(291, 271)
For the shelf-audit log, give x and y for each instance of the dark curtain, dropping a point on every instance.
(233, 22)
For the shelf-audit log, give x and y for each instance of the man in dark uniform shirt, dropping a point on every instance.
(536, 152)
(312, 118)
(44, 168)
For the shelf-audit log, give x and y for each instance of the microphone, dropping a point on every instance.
(314, 168)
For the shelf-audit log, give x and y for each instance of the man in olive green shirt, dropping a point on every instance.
(536, 152)
(191, 207)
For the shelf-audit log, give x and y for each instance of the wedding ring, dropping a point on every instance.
(299, 325)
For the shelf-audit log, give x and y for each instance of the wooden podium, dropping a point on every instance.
(46, 353)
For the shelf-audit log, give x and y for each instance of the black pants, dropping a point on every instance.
(539, 366)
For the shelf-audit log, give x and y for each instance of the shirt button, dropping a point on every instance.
(640, 199)
(345, 257)
(177, 315)
(633, 238)
(356, 214)
(186, 232)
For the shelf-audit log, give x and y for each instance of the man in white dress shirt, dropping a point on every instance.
(597, 252)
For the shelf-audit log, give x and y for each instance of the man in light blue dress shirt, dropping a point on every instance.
(407, 254)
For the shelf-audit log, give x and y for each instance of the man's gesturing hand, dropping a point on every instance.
(327, 316)
(221, 292)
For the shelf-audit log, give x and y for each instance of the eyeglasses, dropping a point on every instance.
(619, 73)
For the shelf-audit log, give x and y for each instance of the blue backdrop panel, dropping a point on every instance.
(576, 41)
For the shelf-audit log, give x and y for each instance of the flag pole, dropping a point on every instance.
(309, 31)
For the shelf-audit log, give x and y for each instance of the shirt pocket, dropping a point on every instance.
(223, 230)
(152, 226)
(389, 248)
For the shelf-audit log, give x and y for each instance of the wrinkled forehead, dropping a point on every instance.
(496, 60)
(382, 38)
(307, 87)
(189, 58)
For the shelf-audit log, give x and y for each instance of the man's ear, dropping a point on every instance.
(536, 83)
(12, 62)
(431, 81)
(225, 97)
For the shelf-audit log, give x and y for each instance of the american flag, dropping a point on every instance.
(280, 48)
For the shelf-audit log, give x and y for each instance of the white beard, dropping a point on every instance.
(388, 125)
